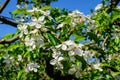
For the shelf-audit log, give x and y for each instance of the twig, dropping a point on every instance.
(8, 21)
(103, 44)
(3, 41)
(4, 5)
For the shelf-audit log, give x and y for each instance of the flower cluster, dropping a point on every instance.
(32, 35)
(32, 67)
(75, 70)
(72, 49)
(32, 31)
(8, 60)
(75, 49)
(57, 59)
(77, 17)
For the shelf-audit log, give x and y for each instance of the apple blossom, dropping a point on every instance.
(31, 66)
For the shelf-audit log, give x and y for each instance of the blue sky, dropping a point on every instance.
(81, 5)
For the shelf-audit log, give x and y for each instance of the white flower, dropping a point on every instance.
(109, 57)
(29, 41)
(75, 13)
(60, 25)
(71, 53)
(97, 66)
(23, 29)
(72, 70)
(56, 54)
(18, 6)
(57, 62)
(46, 13)
(98, 7)
(8, 59)
(78, 51)
(88, 55)
(34, 31)
(39, 41)
(80, 45)
(34, 10)
(38, 22)
(75, 70)
(118, 7)
(20, 58)
(32, 67)
(77, 74)
(69, 42)
(67, 45)
(73, 24)
(61, 46)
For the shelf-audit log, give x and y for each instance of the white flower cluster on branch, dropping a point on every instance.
(32, 35)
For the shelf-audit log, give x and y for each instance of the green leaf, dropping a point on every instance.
(117, 40)
(46, 7)
(52, 39)
(26, 54)
(115, 73)
(7, 36)
(93, 36)
(20, 11)
(78, 38)
(116, 48)
(20, 75)
(115, 14)
(84, 63)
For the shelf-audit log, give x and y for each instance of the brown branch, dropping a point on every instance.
(8, 21)
(103, 44)
(3, 41)
(4, 5)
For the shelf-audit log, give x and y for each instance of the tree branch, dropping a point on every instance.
(4, 5)
(8, 21)
(3, 41)
(103, 44)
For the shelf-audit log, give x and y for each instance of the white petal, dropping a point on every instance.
(34, 19)
(64, 47)
(78, 51)
(41, 18)
(35, 70)
(58, 46)
(52, 62)
(60, 58)
(56, 54)
(60, 25)
(80, 45)
(38, 25)
(72, 71)
(60, 66)
(71, 53)
(30, 68)
(30, 10)
(25, 31)
(34, 31)
(47, 13)
(69, 42)
(32, 24)
(77, 74)
(7, 56)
